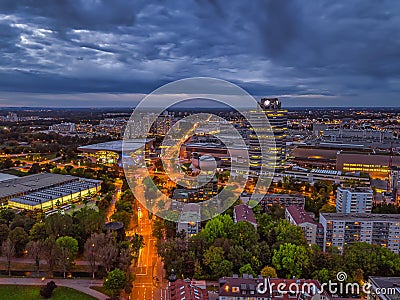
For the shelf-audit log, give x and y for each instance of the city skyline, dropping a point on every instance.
(96, 54)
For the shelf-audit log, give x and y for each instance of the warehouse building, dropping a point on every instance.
(45, 191)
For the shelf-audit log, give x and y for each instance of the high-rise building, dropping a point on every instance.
(378, 229)
(394, 179)
(354, 200)
(274, 141)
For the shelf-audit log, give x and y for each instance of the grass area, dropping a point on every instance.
(25, 292)
(14, 172)
(102, 290)
(31, 267)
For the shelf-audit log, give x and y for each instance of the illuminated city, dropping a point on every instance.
(199, 150)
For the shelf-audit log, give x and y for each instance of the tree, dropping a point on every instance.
(8, 249)
(137, 244)
(38, 232)
(51, 253)
(214, 260)
(244, 234)
(59, 225)
(327, 208)
(68, 248)
(91, 247)
(247, 269)
(19, 238)
(46, 291)
(4, 231)
(107, 251)
(115, 281)
(288, 233)
(291, 260)
(35, 251)
(371, 260)
(122, 216)
(268, 271)
(218, 227)
(35, 169)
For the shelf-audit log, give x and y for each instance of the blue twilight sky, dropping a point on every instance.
(76, 53)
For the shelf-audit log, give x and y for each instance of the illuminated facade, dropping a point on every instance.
(274, 142)
(369, 163)
(46, 191)
(110, 153)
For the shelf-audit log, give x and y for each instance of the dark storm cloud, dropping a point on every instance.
(299, 50)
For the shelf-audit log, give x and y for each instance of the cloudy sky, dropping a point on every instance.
(110, 53)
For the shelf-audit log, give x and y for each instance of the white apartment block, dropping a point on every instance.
(354, 200)
(378, 229)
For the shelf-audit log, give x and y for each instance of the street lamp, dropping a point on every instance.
(93, 260)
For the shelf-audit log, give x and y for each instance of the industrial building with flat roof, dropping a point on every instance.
(45, 190)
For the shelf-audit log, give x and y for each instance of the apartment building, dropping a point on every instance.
(343, 229)
(313, 231)
(354, 200)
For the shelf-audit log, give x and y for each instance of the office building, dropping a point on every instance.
(313, 231)
(354, 200)
(273, 142)
(344, 229)
(394, 178)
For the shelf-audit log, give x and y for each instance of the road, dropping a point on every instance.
(116, 196)
(149, 282)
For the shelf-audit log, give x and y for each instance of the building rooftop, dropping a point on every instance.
(358, 189)
(327, 172)
(185, 289)
(243, 212)
(113, 226)
(31, 183)
(116, 146)
(190, 213)
(386, 283)
(247, 287)
(361, 217)
(4, 176)
(299, 215)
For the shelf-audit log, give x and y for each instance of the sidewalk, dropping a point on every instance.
(82, 285)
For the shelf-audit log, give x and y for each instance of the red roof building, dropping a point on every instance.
(185, 290)
(243, 212)
(235, 288)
